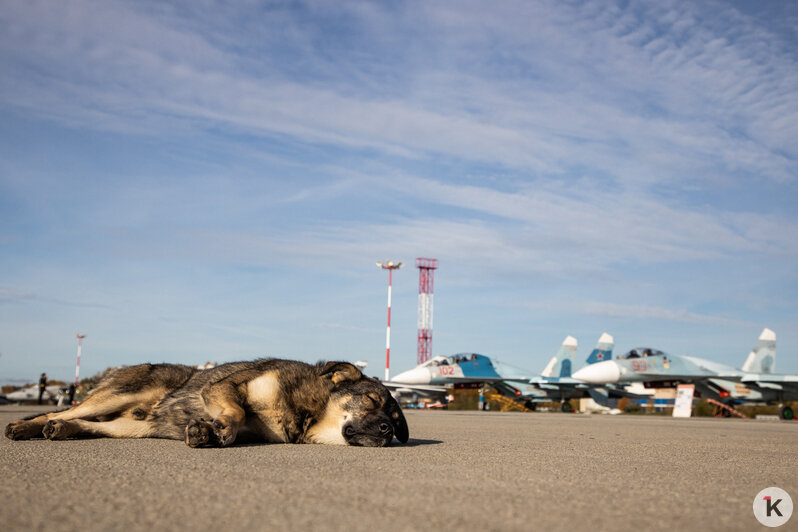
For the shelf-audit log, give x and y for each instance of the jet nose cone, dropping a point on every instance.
(413, 376)
(599, 373)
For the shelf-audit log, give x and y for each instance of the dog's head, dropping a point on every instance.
(367, 415)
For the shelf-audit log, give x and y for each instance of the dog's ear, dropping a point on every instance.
(400, 429)
(339, 372)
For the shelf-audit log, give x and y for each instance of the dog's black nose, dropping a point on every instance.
(386, 428)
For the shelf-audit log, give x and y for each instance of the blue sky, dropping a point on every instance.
(193, 181)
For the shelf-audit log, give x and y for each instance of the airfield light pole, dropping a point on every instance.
(390, 266)
(80, 338)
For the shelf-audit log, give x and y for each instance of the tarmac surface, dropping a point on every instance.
(459, 471)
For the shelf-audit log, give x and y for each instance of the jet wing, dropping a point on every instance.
(414, 387)
(557, 384)
(556, 381)
(772, 382)
(455, 380)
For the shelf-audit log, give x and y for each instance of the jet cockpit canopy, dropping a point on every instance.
(641, 352)
(436, 361)
(459, 358)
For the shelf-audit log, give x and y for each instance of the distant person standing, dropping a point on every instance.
(42, 386)
(72, 393)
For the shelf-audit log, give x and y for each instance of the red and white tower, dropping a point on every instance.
(390, 266)
(426, 273)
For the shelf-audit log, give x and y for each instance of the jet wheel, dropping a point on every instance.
(786, 413)
(566, 407)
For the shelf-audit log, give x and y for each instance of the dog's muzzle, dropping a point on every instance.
(378, 436)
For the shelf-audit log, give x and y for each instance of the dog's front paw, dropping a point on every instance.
(224, 431)
(23, 430)
(58, 429)
(199, 433)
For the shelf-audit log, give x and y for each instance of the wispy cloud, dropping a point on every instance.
(697, 93)
(11, 295)
(614, 310)
(547, 229)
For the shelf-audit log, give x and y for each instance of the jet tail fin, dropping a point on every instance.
(561, 364)
(603, 350)
(763, 357)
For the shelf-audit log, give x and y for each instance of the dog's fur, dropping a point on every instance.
(270, 400)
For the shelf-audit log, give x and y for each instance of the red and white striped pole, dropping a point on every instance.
(390, 266)
(80, 338)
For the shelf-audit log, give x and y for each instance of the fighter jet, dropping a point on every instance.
(556, 383)
(433, 377)
(753, 382)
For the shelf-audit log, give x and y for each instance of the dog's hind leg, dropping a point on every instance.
(27, 428)
(121, 427)
(133, 389)
(104, 402)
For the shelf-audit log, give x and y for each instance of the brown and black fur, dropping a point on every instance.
(270, 400)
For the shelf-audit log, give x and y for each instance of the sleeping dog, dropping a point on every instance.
(269, 400)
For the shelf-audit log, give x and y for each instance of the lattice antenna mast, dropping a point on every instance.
(426, 274)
